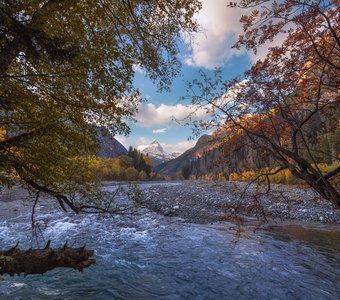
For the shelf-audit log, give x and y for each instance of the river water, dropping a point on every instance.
(148, 256)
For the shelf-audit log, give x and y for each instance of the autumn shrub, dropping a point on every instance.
(282, 177)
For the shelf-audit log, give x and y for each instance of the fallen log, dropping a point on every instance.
(38, 261)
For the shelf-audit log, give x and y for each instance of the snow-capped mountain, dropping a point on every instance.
(157, 153)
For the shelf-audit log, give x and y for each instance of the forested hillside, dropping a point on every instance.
(223, 156)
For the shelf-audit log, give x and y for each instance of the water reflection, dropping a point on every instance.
(325, 240)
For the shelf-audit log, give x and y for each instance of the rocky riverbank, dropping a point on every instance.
(197, 202)
(207, 202)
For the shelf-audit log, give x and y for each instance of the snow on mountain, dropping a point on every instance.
(156, 151)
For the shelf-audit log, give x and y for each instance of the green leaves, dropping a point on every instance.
(66, 66)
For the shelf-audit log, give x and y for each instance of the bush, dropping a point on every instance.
(142, 175)
(131, 174)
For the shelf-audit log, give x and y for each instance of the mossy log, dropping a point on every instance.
(38, 261)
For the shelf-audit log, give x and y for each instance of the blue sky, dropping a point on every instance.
(211, 48)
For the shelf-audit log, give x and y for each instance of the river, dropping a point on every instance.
(148, 256)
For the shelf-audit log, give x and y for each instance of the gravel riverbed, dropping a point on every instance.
(199, 202)
(207, 202)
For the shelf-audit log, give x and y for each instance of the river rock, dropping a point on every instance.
(227, 201)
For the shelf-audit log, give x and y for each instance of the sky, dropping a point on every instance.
(160, 116)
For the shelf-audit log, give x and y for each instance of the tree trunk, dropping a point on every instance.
(39, 261)
(320, 185)
(325, 189)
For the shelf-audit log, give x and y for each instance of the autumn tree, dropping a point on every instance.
(284, 104)
(66, 65)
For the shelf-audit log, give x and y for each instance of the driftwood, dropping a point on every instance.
(38, 261)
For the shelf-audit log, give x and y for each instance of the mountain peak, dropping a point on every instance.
(154, 147)
(156, 152)
(155, 143)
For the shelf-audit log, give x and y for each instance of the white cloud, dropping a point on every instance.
(161, 130)
(168, 115)
(220, 28)
(179, 147)
(150, 115)
(133, 141)
(142, 140)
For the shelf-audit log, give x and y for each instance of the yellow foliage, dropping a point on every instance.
(147, 159)
(233, 177)
(2, 134)
(282, 177)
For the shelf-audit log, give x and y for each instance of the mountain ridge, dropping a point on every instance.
(205, 144)
(109, 146)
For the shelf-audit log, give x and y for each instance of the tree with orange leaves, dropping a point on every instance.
(286, 102)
